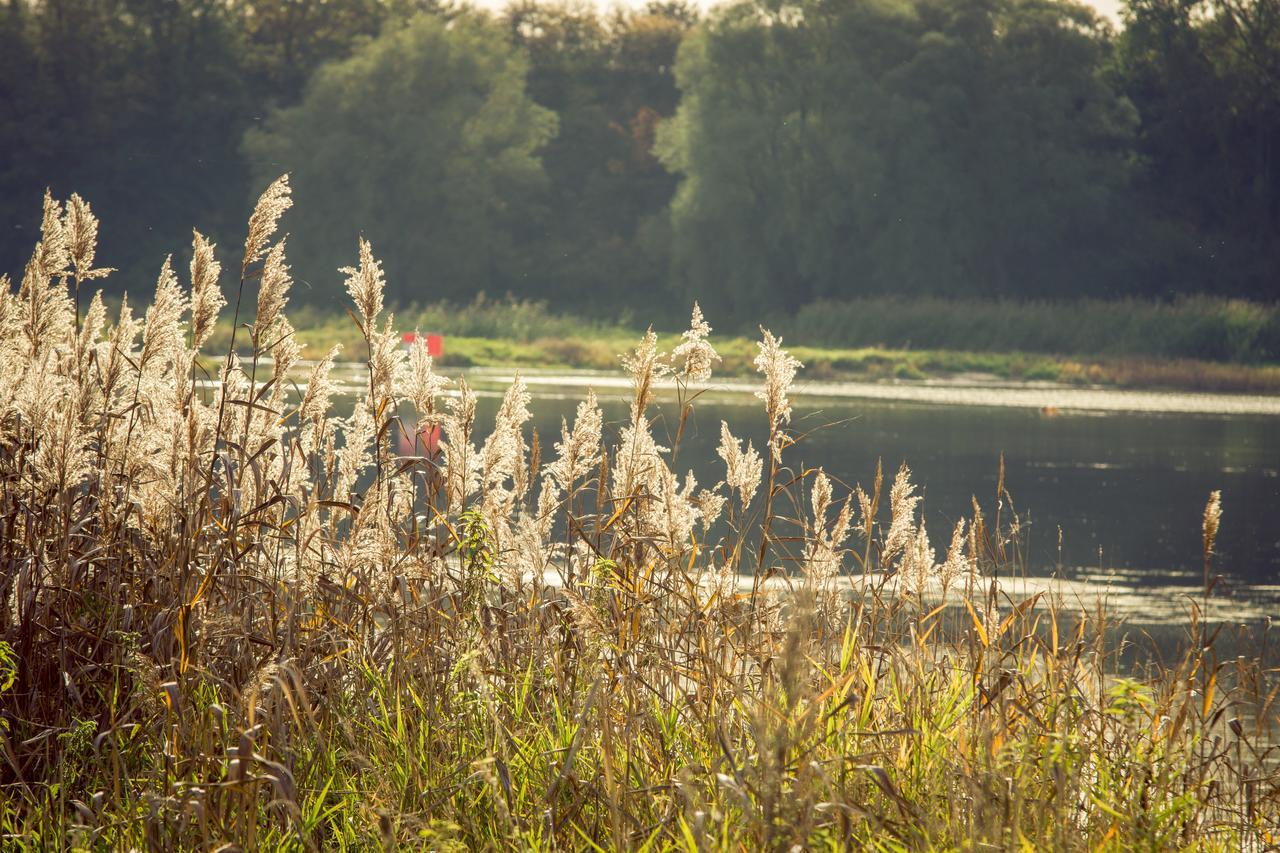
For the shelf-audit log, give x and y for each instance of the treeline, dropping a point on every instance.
(1195, 327)
(766, 157)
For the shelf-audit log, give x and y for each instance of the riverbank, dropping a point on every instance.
(511, 333)
(1049, 398)
(876, 364)
(867, 364)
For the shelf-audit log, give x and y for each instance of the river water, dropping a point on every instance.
(1110, 485)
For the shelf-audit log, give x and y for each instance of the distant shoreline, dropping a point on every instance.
(926, 375)
(968, 389)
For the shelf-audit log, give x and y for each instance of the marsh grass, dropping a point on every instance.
(236, 619)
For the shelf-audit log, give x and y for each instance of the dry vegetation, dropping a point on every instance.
(231, 618)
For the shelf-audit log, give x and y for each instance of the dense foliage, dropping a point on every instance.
(833, 147)
(424, 139)
(775, 153)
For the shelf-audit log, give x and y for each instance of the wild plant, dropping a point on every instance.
(233, 618)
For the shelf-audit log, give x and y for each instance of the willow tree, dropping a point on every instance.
(424, 141)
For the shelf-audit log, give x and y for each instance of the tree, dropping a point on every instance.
(610, 80)
(135, 104)
(1205, 77)
(831, 149)
(425, 140)
(287, 40)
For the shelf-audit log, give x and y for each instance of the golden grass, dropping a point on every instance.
(235, 618)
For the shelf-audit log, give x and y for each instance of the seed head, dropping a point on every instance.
(273, 288)
(315, 400)
(265, 219)
(163, 331)
(779, 370)
(578, 450)
(206, 298)
(902, 506)
(644, 364)
(365, 284)
(420, 383)
(743, 468)
(696, 352)
(1212, 517)
(82, 239)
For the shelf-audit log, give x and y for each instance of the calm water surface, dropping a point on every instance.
(1107, 497)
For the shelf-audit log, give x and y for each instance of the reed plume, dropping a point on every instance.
(696, 352)
(265, 219)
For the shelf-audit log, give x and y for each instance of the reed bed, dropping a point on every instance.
(233, 618)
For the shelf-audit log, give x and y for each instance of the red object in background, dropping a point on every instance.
(435, 343)
(423, 442)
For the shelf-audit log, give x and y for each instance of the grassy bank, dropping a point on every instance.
(512, 333)
(878, 364)
(239, 622)
(1189, 328)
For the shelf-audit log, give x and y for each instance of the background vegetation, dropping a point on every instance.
(235, 615)
(764, 157)
(1199, 344)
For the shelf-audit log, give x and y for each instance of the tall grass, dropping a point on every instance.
(1202, 328)
(232, 616)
